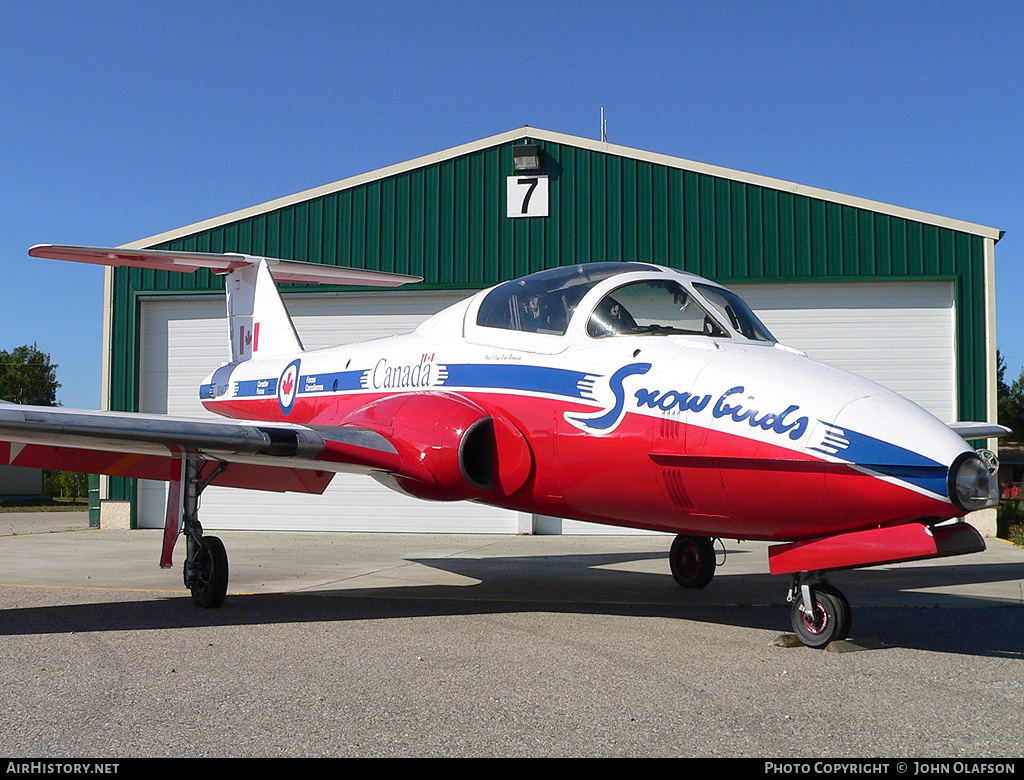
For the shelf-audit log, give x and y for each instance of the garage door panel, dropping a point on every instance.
(351, 503)
(899, 334)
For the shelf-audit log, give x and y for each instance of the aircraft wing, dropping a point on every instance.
(432, 445)
(260, 456)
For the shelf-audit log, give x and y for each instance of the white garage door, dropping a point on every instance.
(184, 339)
(900, 334)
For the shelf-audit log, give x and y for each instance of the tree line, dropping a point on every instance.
(1011, 400)
(28, 376)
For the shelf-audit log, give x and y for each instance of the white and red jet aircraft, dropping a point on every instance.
(619, 393)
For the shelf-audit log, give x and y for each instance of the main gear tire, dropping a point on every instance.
(209, 584)
(692, 560)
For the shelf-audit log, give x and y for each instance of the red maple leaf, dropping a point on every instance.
(286, 385)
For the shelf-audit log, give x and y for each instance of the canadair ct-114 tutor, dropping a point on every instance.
(618, 393)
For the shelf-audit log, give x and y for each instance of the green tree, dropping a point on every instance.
(28, 377)
(1010, 400)
(66, 484)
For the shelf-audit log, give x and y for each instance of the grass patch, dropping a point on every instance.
(1016, 534)
(1010, 521)
(45, 504)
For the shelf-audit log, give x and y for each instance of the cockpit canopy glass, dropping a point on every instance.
(735, 310)
(659, 307)
(544, 302)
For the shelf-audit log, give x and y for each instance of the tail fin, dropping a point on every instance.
(258, 320)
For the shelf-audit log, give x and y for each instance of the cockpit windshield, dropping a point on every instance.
(544, 302)
(659, 307)
(735, 310)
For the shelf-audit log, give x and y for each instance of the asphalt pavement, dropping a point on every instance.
(491, 645)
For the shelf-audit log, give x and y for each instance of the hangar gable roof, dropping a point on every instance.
(534, 133)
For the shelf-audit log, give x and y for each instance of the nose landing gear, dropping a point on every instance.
(820, 613)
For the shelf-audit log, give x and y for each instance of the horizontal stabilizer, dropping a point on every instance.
(978, 430)
(292, 271)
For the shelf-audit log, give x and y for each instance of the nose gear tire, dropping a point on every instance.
(830, 621)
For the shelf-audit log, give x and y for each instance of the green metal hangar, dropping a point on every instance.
(902, 297)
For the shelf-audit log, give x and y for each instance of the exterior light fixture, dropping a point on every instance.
(527, 157)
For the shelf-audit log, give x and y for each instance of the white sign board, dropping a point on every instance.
(527, 196)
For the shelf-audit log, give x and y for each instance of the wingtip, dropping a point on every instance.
(979, 430)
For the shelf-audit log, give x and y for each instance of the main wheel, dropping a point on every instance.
(692, 560)
(210, 583)
(830, 621)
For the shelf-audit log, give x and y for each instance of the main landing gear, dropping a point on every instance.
(692, 560)
(206, 561)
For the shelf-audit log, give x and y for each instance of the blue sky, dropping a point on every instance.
(122, 120)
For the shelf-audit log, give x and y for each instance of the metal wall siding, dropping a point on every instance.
(446, 221)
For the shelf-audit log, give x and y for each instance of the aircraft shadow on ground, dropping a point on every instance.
(590, 584)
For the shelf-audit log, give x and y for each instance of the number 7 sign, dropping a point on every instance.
(527, 196)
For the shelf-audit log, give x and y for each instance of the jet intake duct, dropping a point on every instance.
(476, 454)
(451, 448)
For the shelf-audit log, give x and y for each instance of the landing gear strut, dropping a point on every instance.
(820, 613)
(206, 561)
(692, 560)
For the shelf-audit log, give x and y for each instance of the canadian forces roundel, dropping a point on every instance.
(288, 387)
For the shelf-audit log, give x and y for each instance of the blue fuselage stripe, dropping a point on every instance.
(530, 379)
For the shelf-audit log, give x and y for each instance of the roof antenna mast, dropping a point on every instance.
(604, 128)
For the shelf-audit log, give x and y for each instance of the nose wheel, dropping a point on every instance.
(820, 613)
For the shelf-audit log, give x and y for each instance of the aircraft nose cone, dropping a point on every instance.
(971, 485)
(887, 436)
(881, 432)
